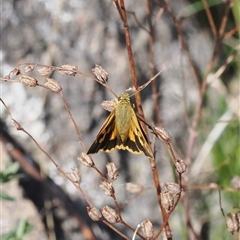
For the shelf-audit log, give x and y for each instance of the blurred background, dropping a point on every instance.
(85, 33)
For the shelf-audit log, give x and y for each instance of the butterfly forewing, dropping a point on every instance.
(105, 135)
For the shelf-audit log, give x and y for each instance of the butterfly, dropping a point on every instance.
(122, 130)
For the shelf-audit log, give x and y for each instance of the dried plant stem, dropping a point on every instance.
(231, 32)
(166, 220)
(152, 63)
(115, 229)
(182, 40)
(122, 12)
(158, 189)
(210, 18)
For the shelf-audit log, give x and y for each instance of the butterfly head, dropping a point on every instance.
(124, 97)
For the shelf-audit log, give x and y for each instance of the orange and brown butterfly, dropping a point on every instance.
(122, 130)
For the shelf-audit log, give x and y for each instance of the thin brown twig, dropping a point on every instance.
(115, 229)
(152, 62)
(137, 21)
(210, 18)
(184, 90)
(123, 14)
(167, 217)
(121, 7)
(224, 19)
(184, 44)
(158, 17)
(146, 84)
(231, 32)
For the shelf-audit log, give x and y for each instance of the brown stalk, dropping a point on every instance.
(152, 62)
(121, 8)
(210, 18)
(177, 24)
(122, 12)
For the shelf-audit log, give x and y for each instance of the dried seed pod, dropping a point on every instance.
(94, 213)
(45, 71)
(173, 188)
(6, 78)
(107, 188)
(29, 68)
(16, 71)
(86, 160)
(100, 73)
(109, 105)
(75, 175)
(68, 70)
(180, 165)
(29, 81)
(112, 171)
(147, 229)
(162, 134)
(237, 217)
(233, 223)
(133, 187)
(110, 214)
(235, 181)
(53, 85)
(167, 200)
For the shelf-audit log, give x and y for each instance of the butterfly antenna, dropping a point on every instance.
(145, 85)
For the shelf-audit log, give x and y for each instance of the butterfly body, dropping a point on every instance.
(123, 117)
(122, 130)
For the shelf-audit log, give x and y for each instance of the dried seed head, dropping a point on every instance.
(16, 71)
(173, 188)
(112, 171)
(107, 188)
(109, 105)
(6, 78)
(233, 222)
(68, 70)
(237, 215)
(75, 175)
(162, 134)
(133, 188)
(53, 85)
(94, 213)
(180, 165)
(29, 68)
(29, 81)
(45, 71)
(236, 182)
(86, 160)
(147, 229)
(167, 200)
(100, 73)
(214, 186)
(110, 214)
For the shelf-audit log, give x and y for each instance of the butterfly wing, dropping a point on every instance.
(107, 137)
(136, 141)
